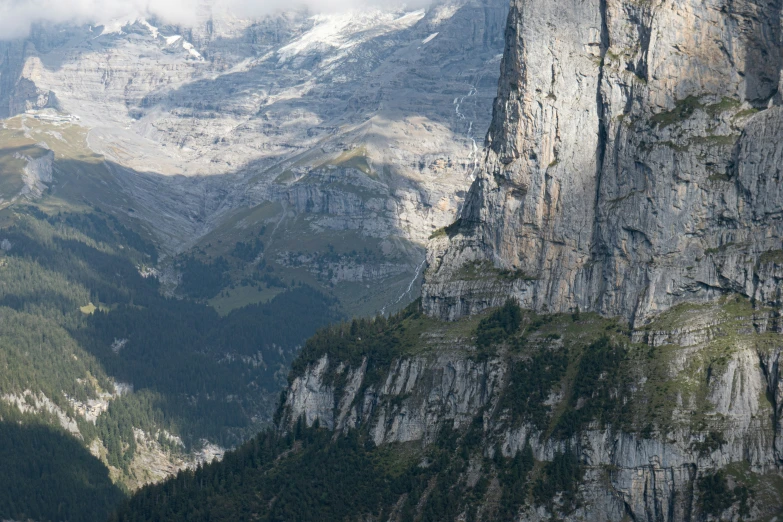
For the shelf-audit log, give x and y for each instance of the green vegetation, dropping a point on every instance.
(514, 479)
(205, 356)
(561, 475)
(593, 393)
(309, 475)
(771, 256)
(354, 159)
(682, 111)
(711, 443)
(716, 140)
(202, 280)
(77, 315)
(249, 251)
(531, 381)
(303, 476)
(725, 105)
(441, 232)
(379, 340)
(49, 476)
(715, 495)
(745, 113)
(499, 325)
(565, 373)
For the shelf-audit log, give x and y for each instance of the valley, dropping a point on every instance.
(270, 269)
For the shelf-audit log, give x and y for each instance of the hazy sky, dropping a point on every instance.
(16, 16)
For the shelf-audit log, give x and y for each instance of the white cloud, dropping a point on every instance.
(17, 16)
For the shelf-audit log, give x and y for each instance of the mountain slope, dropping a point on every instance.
(628, 203)
(93, 356)
(509, 415)
(180, 209)
(355, 128)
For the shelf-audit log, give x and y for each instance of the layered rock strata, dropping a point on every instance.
(632, 162)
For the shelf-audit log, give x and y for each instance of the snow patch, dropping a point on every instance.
(192, 50)
(113, 27)
(429, 38)
(347, 30)
(153, 30)
(171, 40)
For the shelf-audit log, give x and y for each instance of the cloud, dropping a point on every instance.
(17, 16)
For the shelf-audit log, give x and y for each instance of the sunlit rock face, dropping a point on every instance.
(632, 162)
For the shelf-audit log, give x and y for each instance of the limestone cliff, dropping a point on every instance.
(632, 162)
(632, 169)
(655, 419)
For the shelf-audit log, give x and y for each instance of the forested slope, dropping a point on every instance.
(94, 356)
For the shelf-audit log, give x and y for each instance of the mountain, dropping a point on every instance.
(358, 131)
(92, 352)
(181, 208)
(599, 332)
(630, 168)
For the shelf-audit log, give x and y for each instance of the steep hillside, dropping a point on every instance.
(94, 357)
(599, 335)
(511, 415)
(181, 208)
(358, 130)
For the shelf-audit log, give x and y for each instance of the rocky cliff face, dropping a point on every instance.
(632, 170)
(651, 421)
(632, 162)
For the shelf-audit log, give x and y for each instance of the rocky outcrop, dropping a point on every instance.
(37, 174)
(690, 411)
(632, 170)
(631, 164)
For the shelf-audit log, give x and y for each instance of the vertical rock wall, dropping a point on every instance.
(630, 165)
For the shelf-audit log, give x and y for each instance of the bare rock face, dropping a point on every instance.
(700, 392)
(631, 164)
(200, 123)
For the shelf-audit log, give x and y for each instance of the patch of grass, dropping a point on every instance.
(682, 111)
(723, 248)
(674, 146)
(771, 256)
(514, 275)
(718, 176)
(235, 298)
(725, 105)
(354, 159)
(715, 140)
(478, 270)
(745, 113)
(441, 232)
(88, 309)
